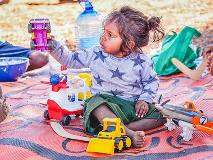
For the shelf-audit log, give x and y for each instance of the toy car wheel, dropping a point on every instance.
(32, 44)
(118, 145)
(66, 120)
(46, 115)
(30, 28)
(48, 27)
(127, 142)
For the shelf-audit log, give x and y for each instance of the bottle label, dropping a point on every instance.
(88, 42)
(90, 28)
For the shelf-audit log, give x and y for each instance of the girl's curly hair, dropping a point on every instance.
(134, 26)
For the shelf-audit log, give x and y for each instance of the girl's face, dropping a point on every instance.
(111, 40)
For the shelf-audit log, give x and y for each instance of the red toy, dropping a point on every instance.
(63, 99)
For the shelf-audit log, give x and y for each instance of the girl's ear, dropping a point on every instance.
(131, 44)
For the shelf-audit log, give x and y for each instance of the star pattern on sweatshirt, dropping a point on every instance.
(75, 58)
(116, 92)
(99, 55)
(117, 73)
(98, 80)
(138, 61)
(136, 84)
(150, 79)
(148, 91)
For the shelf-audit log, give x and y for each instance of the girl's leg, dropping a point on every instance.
(146, 124)
(104, 112)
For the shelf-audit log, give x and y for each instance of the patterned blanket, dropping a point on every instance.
(25, 134)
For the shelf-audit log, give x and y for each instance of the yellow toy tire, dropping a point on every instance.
(128, 142)
(119, 144)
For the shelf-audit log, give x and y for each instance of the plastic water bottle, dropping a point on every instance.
(88, 27)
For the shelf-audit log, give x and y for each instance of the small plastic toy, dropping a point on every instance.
(41, 39)
(63, 133)
(112, 138)
(193, 74)
(187, 117)
(66, 98)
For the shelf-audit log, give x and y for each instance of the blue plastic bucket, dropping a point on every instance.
(12, 67)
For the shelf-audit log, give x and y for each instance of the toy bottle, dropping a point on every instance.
(88, 27)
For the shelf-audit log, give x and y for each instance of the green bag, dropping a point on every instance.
(176, 46)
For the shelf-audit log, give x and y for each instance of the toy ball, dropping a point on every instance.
(55, 79)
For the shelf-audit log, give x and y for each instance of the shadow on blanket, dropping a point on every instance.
(26, 135)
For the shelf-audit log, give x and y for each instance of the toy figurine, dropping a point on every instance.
(41, 39)
(66, 98)
(186, 117)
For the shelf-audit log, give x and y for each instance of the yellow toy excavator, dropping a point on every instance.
(112, 138)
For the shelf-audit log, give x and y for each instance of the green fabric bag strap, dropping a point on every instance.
(176, 46)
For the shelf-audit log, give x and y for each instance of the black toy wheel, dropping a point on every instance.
(66, 120)
(48, 27)
(30, 28)
(46, 115)
(32, 44)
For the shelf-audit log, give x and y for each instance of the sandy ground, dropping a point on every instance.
(175, 14)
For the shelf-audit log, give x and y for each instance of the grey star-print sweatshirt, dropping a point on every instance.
(131, 78)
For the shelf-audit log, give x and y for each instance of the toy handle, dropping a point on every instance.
(64, 86)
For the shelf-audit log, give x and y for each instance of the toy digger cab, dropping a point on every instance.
(112, 138)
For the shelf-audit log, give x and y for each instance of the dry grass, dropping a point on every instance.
(176, 14)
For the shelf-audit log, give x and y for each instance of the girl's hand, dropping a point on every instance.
(141, 108)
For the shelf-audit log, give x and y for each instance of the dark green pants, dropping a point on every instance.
(123, 109)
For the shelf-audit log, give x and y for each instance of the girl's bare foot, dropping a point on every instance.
(138, 138)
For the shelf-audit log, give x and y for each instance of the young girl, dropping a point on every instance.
(124, 83)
